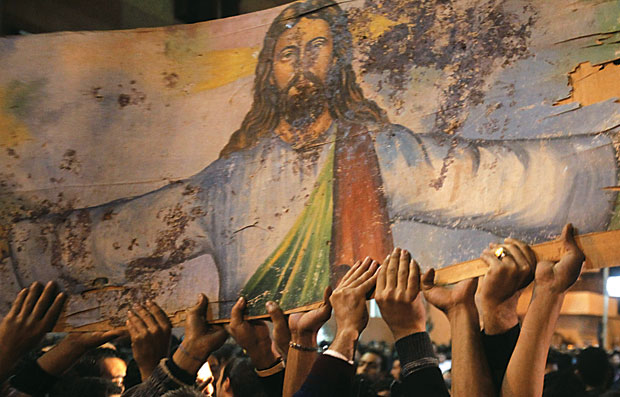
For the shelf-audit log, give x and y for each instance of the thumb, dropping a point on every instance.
(326, 308)
(200, 309)
(277, 315)
(428, 280)
(236, 314)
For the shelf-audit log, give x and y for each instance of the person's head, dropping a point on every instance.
(395, 371)
(371, 365)
(104, 363)
(303, 70)
(238, 379)
(593, 366)
(219, 358)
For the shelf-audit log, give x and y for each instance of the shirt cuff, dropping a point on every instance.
(415, 352)
(178, 373)
(338, 355)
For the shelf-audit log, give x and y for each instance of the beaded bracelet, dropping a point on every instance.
(302, 348)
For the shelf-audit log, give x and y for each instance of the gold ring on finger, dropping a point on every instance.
(500, 253)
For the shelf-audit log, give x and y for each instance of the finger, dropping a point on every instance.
(568, 239)
(527, 251)
(137, 322)
(489, 257)
(199, 311)
(18, 302)
(277, 316)
(354, 278)
(325, 311)
(413, 281)
(349, 272)
(370, 271)
(381, 277)
(33, 295)
(111, 335)
(149, 320)
(369, 284)
(129, 325)
(51, 316)
(236, 314)
(403, 270)
(428, 280)
(392, 270)
(45, 300)
(521, 261)
(160, 316)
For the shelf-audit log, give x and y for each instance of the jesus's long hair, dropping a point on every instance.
(346, 99)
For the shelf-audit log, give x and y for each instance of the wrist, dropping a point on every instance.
(263, 360)
(304, 339)
(499, 318)
(401, 332)
(186, 363)
(465, 308)
(345, 341)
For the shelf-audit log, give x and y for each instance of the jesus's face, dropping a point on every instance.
(301, 63)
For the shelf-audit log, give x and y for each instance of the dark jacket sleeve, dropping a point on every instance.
(498, 350)
(167, 376)
(33, 380)
(273, 384)
(420, 373)
(329, 376)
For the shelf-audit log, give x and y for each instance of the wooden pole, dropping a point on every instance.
(601, 250)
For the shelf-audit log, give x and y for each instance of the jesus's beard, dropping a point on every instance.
(302, 108)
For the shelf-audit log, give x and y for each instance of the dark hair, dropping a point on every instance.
(90, 363)
(87, 386)
(377, 352)
(347, 101)
(244, 381)
(593, 366)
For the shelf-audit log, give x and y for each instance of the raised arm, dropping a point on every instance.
(34, 312)
(398, 296)
(498, 296)
(526, 370)
(332, 373)
(302, 352)
(470, 371)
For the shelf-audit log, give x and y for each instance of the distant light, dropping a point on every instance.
(613, 286)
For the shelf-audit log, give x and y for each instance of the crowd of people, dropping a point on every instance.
(503, 357)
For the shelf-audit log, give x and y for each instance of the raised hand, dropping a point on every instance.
(501, 287)
(253, 336)
(149, 329)
(281, 331)
(304, 328)
(349, 303)
(304, 325)
(62, 357)
(34, 312)
(449, 298)
(526, 369)
(201, 338)
(559, 277)
(397, 294)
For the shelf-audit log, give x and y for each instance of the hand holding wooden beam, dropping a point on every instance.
(601, 250)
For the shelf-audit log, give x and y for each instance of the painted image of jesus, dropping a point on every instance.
(315, 178)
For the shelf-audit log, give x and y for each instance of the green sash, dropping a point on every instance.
(297, 272)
